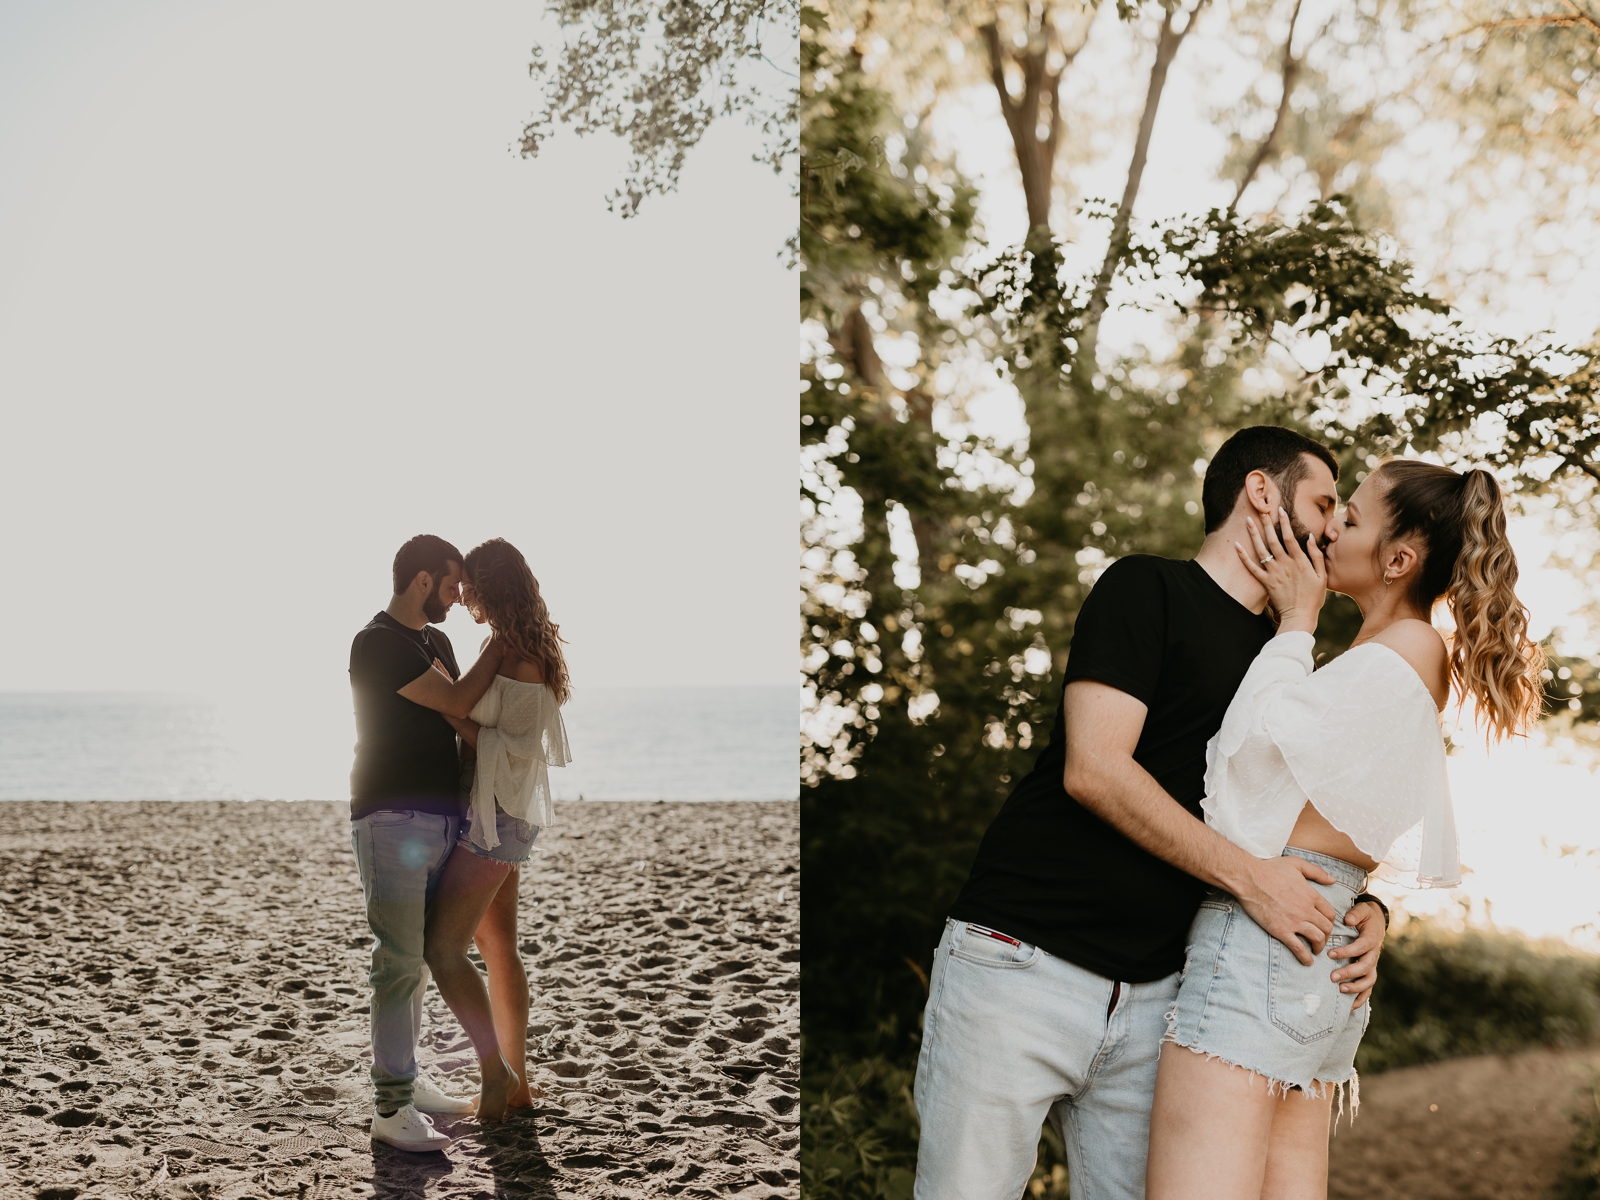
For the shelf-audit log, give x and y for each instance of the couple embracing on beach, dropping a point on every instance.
(449, 791)
(1165, 946)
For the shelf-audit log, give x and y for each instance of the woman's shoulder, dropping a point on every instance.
(1423, 648)
(523, 671)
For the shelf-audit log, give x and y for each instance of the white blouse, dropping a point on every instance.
(1359, 739)
(520, 735)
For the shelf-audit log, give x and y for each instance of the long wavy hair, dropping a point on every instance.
(505, 593)
(1467, 559)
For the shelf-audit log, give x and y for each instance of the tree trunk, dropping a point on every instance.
(1041, 87)
(853, 343)
(1167, 44)
(1291, 68)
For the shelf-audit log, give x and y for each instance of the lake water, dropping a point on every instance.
(627, 744)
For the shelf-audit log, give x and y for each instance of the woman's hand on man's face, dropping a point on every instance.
(1294, 576)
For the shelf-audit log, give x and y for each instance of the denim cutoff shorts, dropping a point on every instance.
(516, 838)
(1245, 998)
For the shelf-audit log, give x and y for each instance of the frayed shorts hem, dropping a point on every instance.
(1312, 1089)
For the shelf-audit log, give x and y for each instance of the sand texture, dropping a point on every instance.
(183, 1008)
(1488, 1128)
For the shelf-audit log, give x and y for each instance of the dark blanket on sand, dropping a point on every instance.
(183, 1007)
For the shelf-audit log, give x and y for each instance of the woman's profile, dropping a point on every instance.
(517, 733)
(1343, 766)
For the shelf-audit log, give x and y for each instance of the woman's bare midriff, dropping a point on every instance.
(1313, 832)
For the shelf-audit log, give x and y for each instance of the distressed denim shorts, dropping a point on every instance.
(1245, 998)
(516, 838)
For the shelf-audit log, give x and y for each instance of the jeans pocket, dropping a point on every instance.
(989, 948)
(1302, 1001)
(387, 817)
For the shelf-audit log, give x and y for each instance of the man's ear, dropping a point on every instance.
(427, 582)
(1261, 493)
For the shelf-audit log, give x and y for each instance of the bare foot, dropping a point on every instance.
(524, 1095)
(500, 1083)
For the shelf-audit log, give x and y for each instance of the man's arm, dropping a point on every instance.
(468, 729)
(1103, 726)
(436, 690)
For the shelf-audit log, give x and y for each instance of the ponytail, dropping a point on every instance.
(1469, 562)
(1492, 659)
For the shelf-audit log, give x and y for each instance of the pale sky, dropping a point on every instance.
(277, 293)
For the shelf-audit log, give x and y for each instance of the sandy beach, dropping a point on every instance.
(183, 1008)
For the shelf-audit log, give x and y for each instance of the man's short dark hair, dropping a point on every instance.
(1273, 450)
(423, 553)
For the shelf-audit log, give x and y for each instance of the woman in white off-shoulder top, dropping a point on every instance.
(1343, 766)
(517, 735)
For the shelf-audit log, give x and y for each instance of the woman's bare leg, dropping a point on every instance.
(496, 937)
(466, 888)
(1297, 1154)
(1210, 1128)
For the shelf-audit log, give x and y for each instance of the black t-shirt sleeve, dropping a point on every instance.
(1121, 631)
(384, 661)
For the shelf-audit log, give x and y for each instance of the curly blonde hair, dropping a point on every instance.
(1467, 559)
(505, 593)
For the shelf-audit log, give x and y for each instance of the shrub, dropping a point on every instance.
(1580, 1174)
(1443, 994)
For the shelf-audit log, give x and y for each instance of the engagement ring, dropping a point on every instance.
(1267, 559)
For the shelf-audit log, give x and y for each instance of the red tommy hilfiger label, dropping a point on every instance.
(999, 937)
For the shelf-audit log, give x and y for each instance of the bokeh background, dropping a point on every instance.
(1054, 254)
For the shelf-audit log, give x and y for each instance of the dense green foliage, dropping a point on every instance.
(1444, 995)
(932, 686)
(942, 572)
(1580, 1174)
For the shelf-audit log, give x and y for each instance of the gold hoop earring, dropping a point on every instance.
(1387, 581)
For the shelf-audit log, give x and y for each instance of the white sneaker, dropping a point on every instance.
(407, 1129)
(427, 1098)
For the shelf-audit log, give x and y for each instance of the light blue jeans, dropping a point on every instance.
(1013, 1036)
(401, 856)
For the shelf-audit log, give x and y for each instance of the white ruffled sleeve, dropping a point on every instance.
(1359, 739)
(513, 758)
(1250, 798)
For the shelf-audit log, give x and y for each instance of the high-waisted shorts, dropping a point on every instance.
(1245, 998)
(516, 838)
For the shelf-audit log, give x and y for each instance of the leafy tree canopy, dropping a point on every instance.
(658, 75)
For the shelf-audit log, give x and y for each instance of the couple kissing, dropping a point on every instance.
(1165, 945)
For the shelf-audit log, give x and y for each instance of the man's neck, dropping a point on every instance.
(1218, 559)
(408, 611)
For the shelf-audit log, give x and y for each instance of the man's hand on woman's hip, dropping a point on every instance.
(1279, 899)
(1361, 971)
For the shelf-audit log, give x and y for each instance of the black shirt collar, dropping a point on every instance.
(419, 636)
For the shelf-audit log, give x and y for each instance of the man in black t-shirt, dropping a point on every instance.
(405, 814)
(1060, 960)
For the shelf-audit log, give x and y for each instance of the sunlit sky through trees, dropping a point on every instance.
(277, 292)
(1513, 259)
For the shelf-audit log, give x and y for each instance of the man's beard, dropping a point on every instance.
(434, 607)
